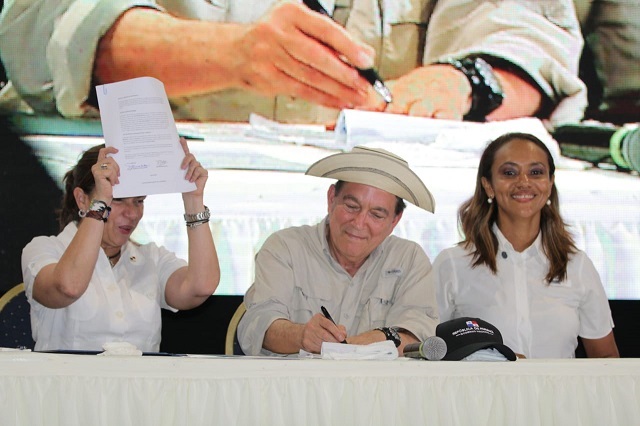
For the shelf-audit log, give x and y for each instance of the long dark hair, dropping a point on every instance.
(79, 176)
(476, 217)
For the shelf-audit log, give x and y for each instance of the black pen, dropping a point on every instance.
(328, 316)
(369, 74)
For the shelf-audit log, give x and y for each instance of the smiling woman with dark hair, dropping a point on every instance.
(518, 266)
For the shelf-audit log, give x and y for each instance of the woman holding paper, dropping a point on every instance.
(519, 267)
(91, 284)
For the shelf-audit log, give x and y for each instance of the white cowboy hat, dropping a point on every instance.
(378, 168)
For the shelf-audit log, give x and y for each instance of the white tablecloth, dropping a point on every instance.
(54, 389)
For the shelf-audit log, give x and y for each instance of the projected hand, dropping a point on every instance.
(298, 52)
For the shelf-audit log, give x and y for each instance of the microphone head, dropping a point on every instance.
(434, 348)
(630, 149)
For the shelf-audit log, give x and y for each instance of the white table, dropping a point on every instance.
(55, 389)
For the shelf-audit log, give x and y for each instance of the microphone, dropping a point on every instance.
(432, 349)
(599, 143)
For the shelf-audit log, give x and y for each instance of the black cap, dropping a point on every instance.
(466, 335)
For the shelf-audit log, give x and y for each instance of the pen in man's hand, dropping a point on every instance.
(369, 74)
(328, 316)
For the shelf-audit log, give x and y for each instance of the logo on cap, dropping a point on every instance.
(465, 336)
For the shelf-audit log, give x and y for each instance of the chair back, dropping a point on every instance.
(15, 320)
(232, 346)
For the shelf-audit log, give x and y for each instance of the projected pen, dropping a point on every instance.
(327, 316)
(369, 74)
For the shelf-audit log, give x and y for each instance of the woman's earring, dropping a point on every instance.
(548, 201)
(82, 213)
(489, 200)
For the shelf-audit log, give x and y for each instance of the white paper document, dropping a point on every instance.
(357, 127)
(137, 120)
(378, 350)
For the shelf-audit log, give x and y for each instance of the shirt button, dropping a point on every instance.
(120, 314)
(504, 254)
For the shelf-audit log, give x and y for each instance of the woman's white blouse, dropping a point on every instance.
(536, 319)
(121, 304)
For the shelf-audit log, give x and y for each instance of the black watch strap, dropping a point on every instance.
(391, 333)
(486, 91)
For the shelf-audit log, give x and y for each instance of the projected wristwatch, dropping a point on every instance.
(391, 333)
(486, 91)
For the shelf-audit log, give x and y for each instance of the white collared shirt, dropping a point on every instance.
(121, 304)
(536, 319)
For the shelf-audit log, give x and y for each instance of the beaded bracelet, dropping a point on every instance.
(98, 210)
(196, 223)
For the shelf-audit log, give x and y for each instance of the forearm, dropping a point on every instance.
(59, 285)
(283, 337)
(194, 285)
(521, 97)
(190, 57)
(604, 347)
(203, 272)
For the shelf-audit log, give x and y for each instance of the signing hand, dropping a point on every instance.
(297, 52)
(319, 329)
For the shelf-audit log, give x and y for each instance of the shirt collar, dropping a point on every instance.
(534, 250)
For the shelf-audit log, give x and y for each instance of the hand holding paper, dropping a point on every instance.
(137, 120)
(195, 172)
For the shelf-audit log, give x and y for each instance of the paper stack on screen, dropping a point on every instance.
(356, 127)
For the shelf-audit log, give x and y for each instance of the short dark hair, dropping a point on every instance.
(400, 204)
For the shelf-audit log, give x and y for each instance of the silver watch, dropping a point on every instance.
(205, 215)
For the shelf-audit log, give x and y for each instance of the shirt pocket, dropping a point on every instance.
(146, 305)
(562, 293)
(307, 301)
(561, 14)
(404, 34)
(376, 307)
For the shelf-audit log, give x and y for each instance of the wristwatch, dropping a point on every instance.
(98, 209)
(195, 217)
(391, 333)
(486, 91)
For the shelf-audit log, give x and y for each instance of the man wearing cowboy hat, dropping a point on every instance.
(373, 283)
